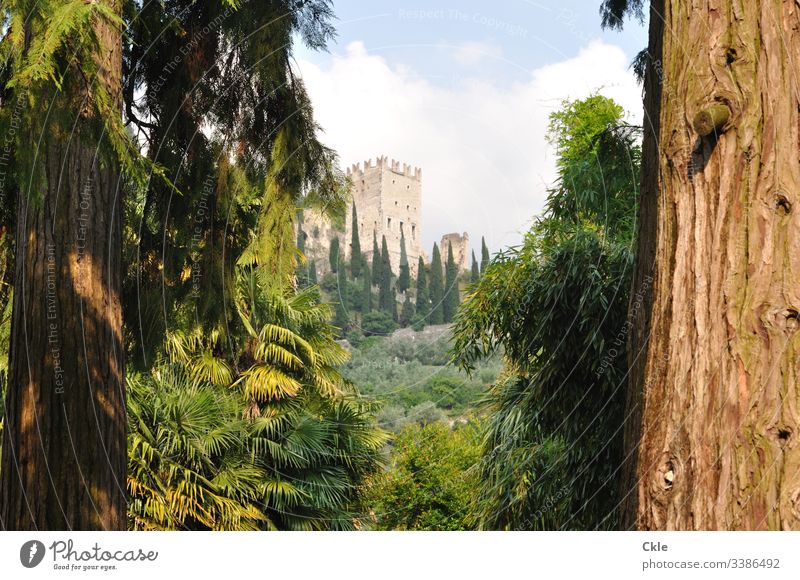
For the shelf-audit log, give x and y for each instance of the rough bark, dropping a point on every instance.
(641, 295)
(64, 456)
(719, 440)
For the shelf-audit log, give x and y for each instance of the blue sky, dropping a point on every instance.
(463, 89)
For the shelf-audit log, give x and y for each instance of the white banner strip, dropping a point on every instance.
(351, 556)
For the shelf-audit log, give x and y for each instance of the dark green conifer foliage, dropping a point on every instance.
(476, 273)
(355, 248)
(366, 290)
(312, 273)
(407, 313)
(386, 297)
(485, 259)
(436, 288)
(423, 298)
(376, 261)
(341, 319)
(404, 276)
(451, 300)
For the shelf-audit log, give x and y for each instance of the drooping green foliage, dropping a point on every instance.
(613, 12)
(356, 260)
(49, 50)
(436, 288)
(451, 296)
(475, 273)
(557, 307)
(590, 134)
(404, 277)
(210, 92)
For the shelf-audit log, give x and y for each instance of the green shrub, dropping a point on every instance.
(430, 485)
(378, 323)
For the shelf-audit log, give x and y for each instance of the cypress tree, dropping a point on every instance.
(376, 261)
(436, 288)
(404, 277)
(333, 255)
(484, 255)
(423, 299)
(366, 291)
(385, 296)
(407, 313)
(476, 273)
(355, 248)
(395, 314)
(341, 319)
(312, 273)
(451, 286)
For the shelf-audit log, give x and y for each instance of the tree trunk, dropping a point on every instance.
(64, 452)
(641, 295)
(719, 441)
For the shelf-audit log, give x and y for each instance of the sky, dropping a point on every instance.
(463, 89)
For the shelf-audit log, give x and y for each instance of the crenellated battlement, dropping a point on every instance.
(387, 195)
(357, 170)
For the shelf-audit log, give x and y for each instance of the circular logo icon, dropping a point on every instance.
(31, 553)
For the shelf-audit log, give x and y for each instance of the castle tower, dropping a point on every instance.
(388, 198)
(461, 251)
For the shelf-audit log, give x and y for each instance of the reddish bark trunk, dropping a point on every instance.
(719, 445)
(64, 446)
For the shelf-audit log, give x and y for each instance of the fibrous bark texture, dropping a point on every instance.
(719, 442)
(64, 457)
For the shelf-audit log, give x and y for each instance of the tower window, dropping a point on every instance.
(408, 207)
(413, 231)
(389, 223)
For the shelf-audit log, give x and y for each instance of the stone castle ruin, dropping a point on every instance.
(388, 199)
(461, 251)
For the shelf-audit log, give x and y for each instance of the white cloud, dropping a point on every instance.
(470, 54)
(482, 147)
